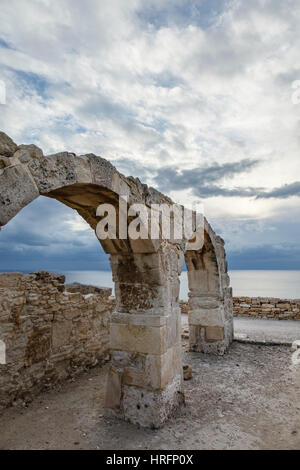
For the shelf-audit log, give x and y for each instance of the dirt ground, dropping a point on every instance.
(248, 399)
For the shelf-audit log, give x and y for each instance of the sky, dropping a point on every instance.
(196, 98)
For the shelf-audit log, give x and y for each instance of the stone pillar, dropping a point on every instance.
(208, 329)
(145, 379)
(210, 299)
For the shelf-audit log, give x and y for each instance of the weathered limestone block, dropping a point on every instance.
(282, 305)
(114, 389)
(207, 317)
(102, 171)
(120, 185)
(152, 408)
(26, 153)
(147, 288)
(53, 172)
(141, 339)
(214, 333)
(17, 190)
(7, 145)
(149, 371)
(82, 168)
(211, 340)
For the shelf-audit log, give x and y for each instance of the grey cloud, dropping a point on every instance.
(199, 179)
(39, 237)
(5, 44)
(214, 190)
(100, 106)
(283, 192)
(287, 78)
(43, 223)
(180, 13)
(202, 179)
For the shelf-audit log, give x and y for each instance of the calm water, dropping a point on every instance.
(283, 284)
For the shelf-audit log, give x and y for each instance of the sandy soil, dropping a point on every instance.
(248, 399)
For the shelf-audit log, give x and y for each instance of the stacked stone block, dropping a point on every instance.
(210, 297)
(267, 307)
(145, 380)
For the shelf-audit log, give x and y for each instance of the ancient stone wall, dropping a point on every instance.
(261, 307)
(49, 333)
(267, 307)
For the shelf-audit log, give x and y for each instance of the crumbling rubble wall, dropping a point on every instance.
(261, 307)
(50, 334)
(267, 307)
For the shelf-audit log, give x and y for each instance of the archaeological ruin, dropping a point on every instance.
(145, 383)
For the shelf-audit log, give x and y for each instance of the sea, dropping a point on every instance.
(281, 284)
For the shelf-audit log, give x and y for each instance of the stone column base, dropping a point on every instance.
(211, 339)
(149, 408)
(145, 382)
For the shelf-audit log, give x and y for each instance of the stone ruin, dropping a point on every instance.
(145, 382)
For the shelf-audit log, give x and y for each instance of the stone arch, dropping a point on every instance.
(210, 296)
(145, 379)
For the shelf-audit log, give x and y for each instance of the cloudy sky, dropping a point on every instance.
(194, 97)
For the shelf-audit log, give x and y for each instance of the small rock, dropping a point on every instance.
(187, 371)
(296, 345)
(240, 336)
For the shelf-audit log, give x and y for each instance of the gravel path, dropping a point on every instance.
(265, 330)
